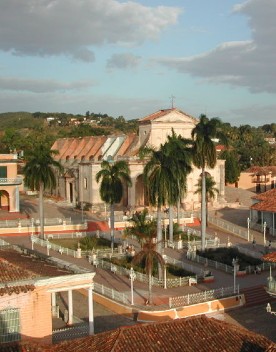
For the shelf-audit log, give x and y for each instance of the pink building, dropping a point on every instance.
(28, 288)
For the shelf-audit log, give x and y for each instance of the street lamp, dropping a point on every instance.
(269, 309)
(248, 229)
(81, 211)
(165, 271)
(235, 265)
(264, 233)
(132, 277)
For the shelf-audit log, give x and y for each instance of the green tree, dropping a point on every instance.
(112, 175)
(142, 226)
(179, 150)
(205, 156)
(39, 172)
(149, 255)
(232, 169)
(210, 192)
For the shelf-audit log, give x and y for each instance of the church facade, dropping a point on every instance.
(82, 157)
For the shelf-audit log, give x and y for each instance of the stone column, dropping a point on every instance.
(70, 307)
(91, 311)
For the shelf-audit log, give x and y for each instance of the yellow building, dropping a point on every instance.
(10, 183)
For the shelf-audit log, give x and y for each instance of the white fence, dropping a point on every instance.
(36, 222)
(170, 282)
(55, 247)
(110, 293)
(200, 297)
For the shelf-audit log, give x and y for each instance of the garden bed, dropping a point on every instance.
(226, 256)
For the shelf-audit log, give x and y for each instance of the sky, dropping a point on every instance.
(132, 58)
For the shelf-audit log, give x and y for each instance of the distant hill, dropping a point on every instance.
(18, 120)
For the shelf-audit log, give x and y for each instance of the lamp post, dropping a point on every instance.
(165, 271)
(248, 229)
(188, 234)
(269, 309)
(81, 211)
(132, 277)
(264, 233)
(235, 265)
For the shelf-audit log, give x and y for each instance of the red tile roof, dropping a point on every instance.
(200, 334)
(262, 170)
(16, 267)
(267, 201)
(270, 257)
(161, 113)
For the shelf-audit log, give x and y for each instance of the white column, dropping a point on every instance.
(91, 311)
(54, 302)
(70, 307)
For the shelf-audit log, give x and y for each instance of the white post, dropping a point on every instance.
(248, 229)
(165, 271)
(235, 263)
(264, 233)
(91, 311)
(165, 277)
(132, 276)
(70, 307)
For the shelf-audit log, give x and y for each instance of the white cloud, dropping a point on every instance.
(123, 61)
(249, 64)
(40, 86)
(70, 27)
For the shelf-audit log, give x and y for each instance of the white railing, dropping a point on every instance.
(228, 226)
(211, 263)
(111, 293)
(200, 297)
(3, 243)
(53, 246)
(11, 181)
(175, 282)
(35, 222)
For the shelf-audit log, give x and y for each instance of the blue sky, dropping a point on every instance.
(128, 58)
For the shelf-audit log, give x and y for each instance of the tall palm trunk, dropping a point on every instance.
(112, 221)
(150, 286)
(41, 210)
(159, 230)
(178, 211)
(203, 209)
(159, 238)
(171, 223)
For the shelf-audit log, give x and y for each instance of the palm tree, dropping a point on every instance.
(180, 152)
(165, 176)
(158, 178)
(211, 190)
(112, 175)
(149, 255)
(39, 172)
(205, 156)
(142, 226)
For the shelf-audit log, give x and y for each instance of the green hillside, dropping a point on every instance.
(18, 120)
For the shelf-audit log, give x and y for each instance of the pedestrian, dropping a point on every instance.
(254, 243)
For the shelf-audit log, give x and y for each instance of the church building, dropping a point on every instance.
(82, 157)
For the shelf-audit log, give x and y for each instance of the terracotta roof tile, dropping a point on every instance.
(267, 201)
(262, 170)
(270, 257)
(199, 334)
(16, 267)
(161, 113)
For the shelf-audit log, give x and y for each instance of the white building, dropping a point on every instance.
(81, 159)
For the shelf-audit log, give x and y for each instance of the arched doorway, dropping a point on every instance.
(4, 200)
(141, 197)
